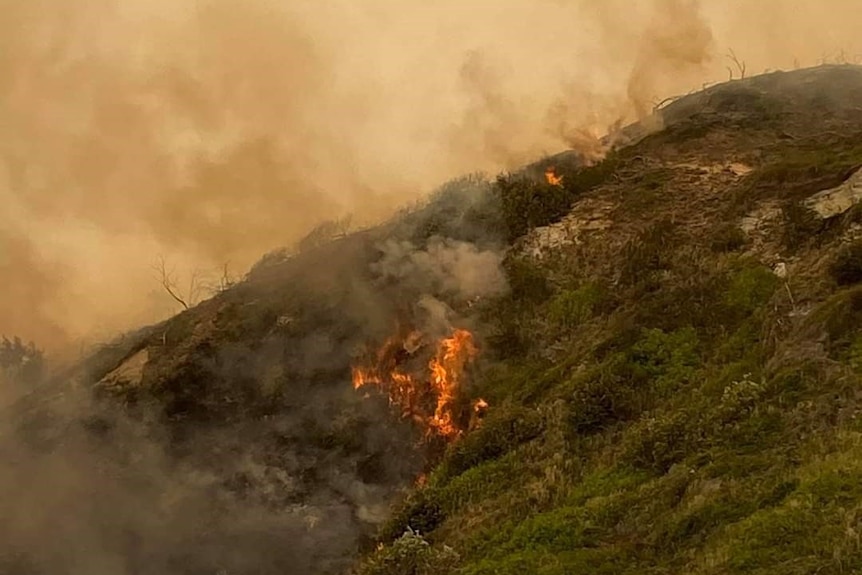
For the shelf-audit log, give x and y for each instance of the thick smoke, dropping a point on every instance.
(242, 447)
(444, 273)
(445, 266)
(91, 490)
(212, 131)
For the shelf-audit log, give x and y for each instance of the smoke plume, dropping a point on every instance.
(213, 131)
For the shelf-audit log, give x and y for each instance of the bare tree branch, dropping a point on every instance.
(168, 281)
(740, 65)
(225, 281)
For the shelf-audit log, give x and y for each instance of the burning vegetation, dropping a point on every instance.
(428, 393)
(552, 177)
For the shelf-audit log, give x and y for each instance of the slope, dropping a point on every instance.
(668, 352)
(674, 377)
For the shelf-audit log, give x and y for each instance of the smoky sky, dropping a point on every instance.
(213, 131)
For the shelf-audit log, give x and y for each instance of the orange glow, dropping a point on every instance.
(428, 398)
(552, 177)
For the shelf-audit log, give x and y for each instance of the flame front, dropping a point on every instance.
(552, 177)
(442, 386)
(447, 367)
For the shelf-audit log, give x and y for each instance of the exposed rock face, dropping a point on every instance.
(763, 224)
(128, 374)
(835, 201)
(588, 215)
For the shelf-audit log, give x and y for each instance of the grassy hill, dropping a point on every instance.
(675, 383)
(669, 343)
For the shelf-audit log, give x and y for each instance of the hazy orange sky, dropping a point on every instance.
(216, 130)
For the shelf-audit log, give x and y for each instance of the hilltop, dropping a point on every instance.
(665, 378)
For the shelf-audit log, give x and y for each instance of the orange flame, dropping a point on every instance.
(408, 393)
(453, 354)
(552, 177)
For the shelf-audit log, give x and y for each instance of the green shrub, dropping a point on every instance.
(688, 298)
(750, 287)
(668, 359)
(649, 252)
(839, 318)
(504, 429)
(658, 442)
(727, 238)
(510, 314)
(572, 307)
(847, 267)
(854, 354)
(800, 225)
(603, 397)
(785, 534)
(731, 501)
(410, 554)
(528, 281)
(420, 511)
(529, 203)
(484, 481)
(739, 398)
(796, 172)
(629, 380)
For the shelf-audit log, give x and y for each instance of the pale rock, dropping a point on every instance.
(588, 215)
(130, 373)
(837, 200)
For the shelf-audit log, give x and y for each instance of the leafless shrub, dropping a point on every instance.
(739, 64)
(187, 297)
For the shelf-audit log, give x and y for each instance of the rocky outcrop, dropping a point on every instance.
(835, 201)
(588, 215)
(128, 374)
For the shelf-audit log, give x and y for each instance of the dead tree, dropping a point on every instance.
(740, 64)
(170, 284)
(225, 281)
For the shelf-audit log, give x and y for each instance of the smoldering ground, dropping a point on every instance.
(213, 131)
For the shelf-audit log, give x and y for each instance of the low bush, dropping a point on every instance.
(662, 440)
(528, 201)
(800, 225)
(504, 429)
(847, 267)
(570, 308)
(728, 238)
(410, 554)
(750, 287)
(649, 252)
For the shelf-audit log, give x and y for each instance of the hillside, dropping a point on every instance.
(675, 384)
(649, 364)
